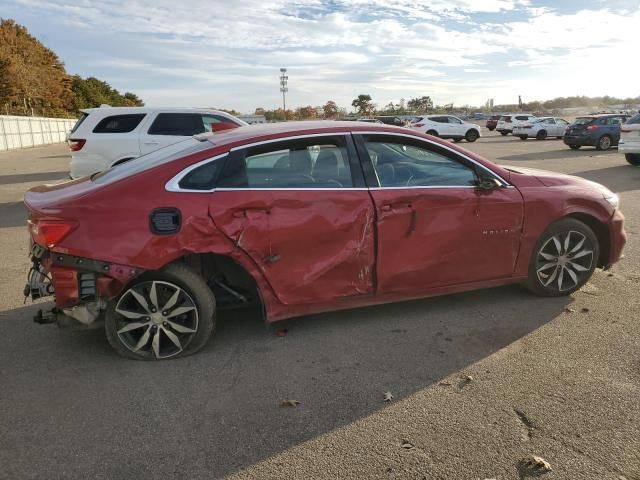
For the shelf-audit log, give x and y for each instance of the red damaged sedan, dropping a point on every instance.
(301, 218)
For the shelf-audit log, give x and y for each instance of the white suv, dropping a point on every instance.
(507, 122)
(629, 143)
(107, 136)
(446, 126)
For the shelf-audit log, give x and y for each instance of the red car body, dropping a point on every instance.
(313, 250)
(492, 122)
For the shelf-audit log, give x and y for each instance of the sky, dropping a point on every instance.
(228, 54)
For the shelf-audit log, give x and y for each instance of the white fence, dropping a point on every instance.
(22, 132)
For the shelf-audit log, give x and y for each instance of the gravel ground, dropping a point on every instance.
(479, 380)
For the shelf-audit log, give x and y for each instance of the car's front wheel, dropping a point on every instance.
(574, 147)
(523, 137)
(472, 135)
(632, 158)
(541, 135)
(563, 259)
(163, 314)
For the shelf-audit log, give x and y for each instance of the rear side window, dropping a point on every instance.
(119, 123)
(177, 124)
(634, 119)
(204, 177)
(523, 117)
(82, 118)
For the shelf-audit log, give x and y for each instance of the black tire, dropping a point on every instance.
(574, 147)
(524, 137)
(491, 129)
(546, 248)
(472, 135)
(633, 158)
(604, 143)
(541, 135)
(193, 293)
(457, 139)
(433, 133)
(504, 133)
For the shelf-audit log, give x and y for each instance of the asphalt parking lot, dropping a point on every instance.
(479, 380)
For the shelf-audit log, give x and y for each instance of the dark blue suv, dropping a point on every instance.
(600, 131)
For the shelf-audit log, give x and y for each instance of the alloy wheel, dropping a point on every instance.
(564, 261)
(156, 319)
(604, 143)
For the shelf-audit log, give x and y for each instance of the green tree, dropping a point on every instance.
(363, 104)
(422, 104)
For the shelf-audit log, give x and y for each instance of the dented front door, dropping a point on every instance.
(291, 209)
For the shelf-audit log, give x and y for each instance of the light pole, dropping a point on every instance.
(283, 88)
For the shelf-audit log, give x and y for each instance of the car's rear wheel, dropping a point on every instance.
(541, 135)
(457, 139)
(604, 143)
(574, 147)
(504, 132)
(523, 137)
(563, 259)
(633, 158)
(432, 132)
(472, 135)
(163, 314)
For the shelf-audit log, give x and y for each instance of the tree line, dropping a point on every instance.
(33, 80)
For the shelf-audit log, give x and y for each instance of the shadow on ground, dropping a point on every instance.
(621, 178)
(70, 406)
(33, 177)
(13, 214)
(586, 152)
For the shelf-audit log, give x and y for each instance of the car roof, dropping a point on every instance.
(129, 110)
(291, 129)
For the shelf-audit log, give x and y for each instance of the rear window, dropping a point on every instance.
(150, 160)
(634, 119)
(82, 118)
(119, 123)
(203, 177)
(584, 120)
(178, 124)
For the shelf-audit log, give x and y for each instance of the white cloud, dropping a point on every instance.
(228, 53)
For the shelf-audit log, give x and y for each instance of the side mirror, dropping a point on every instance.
(488, 183)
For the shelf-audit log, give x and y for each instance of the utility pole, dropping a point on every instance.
(283, 88)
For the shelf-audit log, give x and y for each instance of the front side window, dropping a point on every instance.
(305, 163)
(177, 124)
(119, 123)
(634, 119)
(454, 120)
(400, 163)
(562, 122)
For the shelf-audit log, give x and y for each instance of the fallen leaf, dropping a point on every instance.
(290, 403)
(282, 332)
(468, 379)
(407, 445)
(388, 396)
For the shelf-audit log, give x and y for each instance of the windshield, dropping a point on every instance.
(150, 160)
(583, 120)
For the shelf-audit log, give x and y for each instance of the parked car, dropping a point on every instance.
(368, 120)
(446, 126)
(492, 122)
(303, 217)
(541, 128)
(600, 131)
(629, 143)
(506, 123)
(391, 120)
(107, 136)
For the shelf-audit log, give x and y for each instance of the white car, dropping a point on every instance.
(506, 123)
(107, 136)
(629, 142)
(541, 128)
(446, 126)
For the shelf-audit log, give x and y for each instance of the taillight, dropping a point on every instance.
(419, 125)
(76, 144)
(591, 128)
(50, 232)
